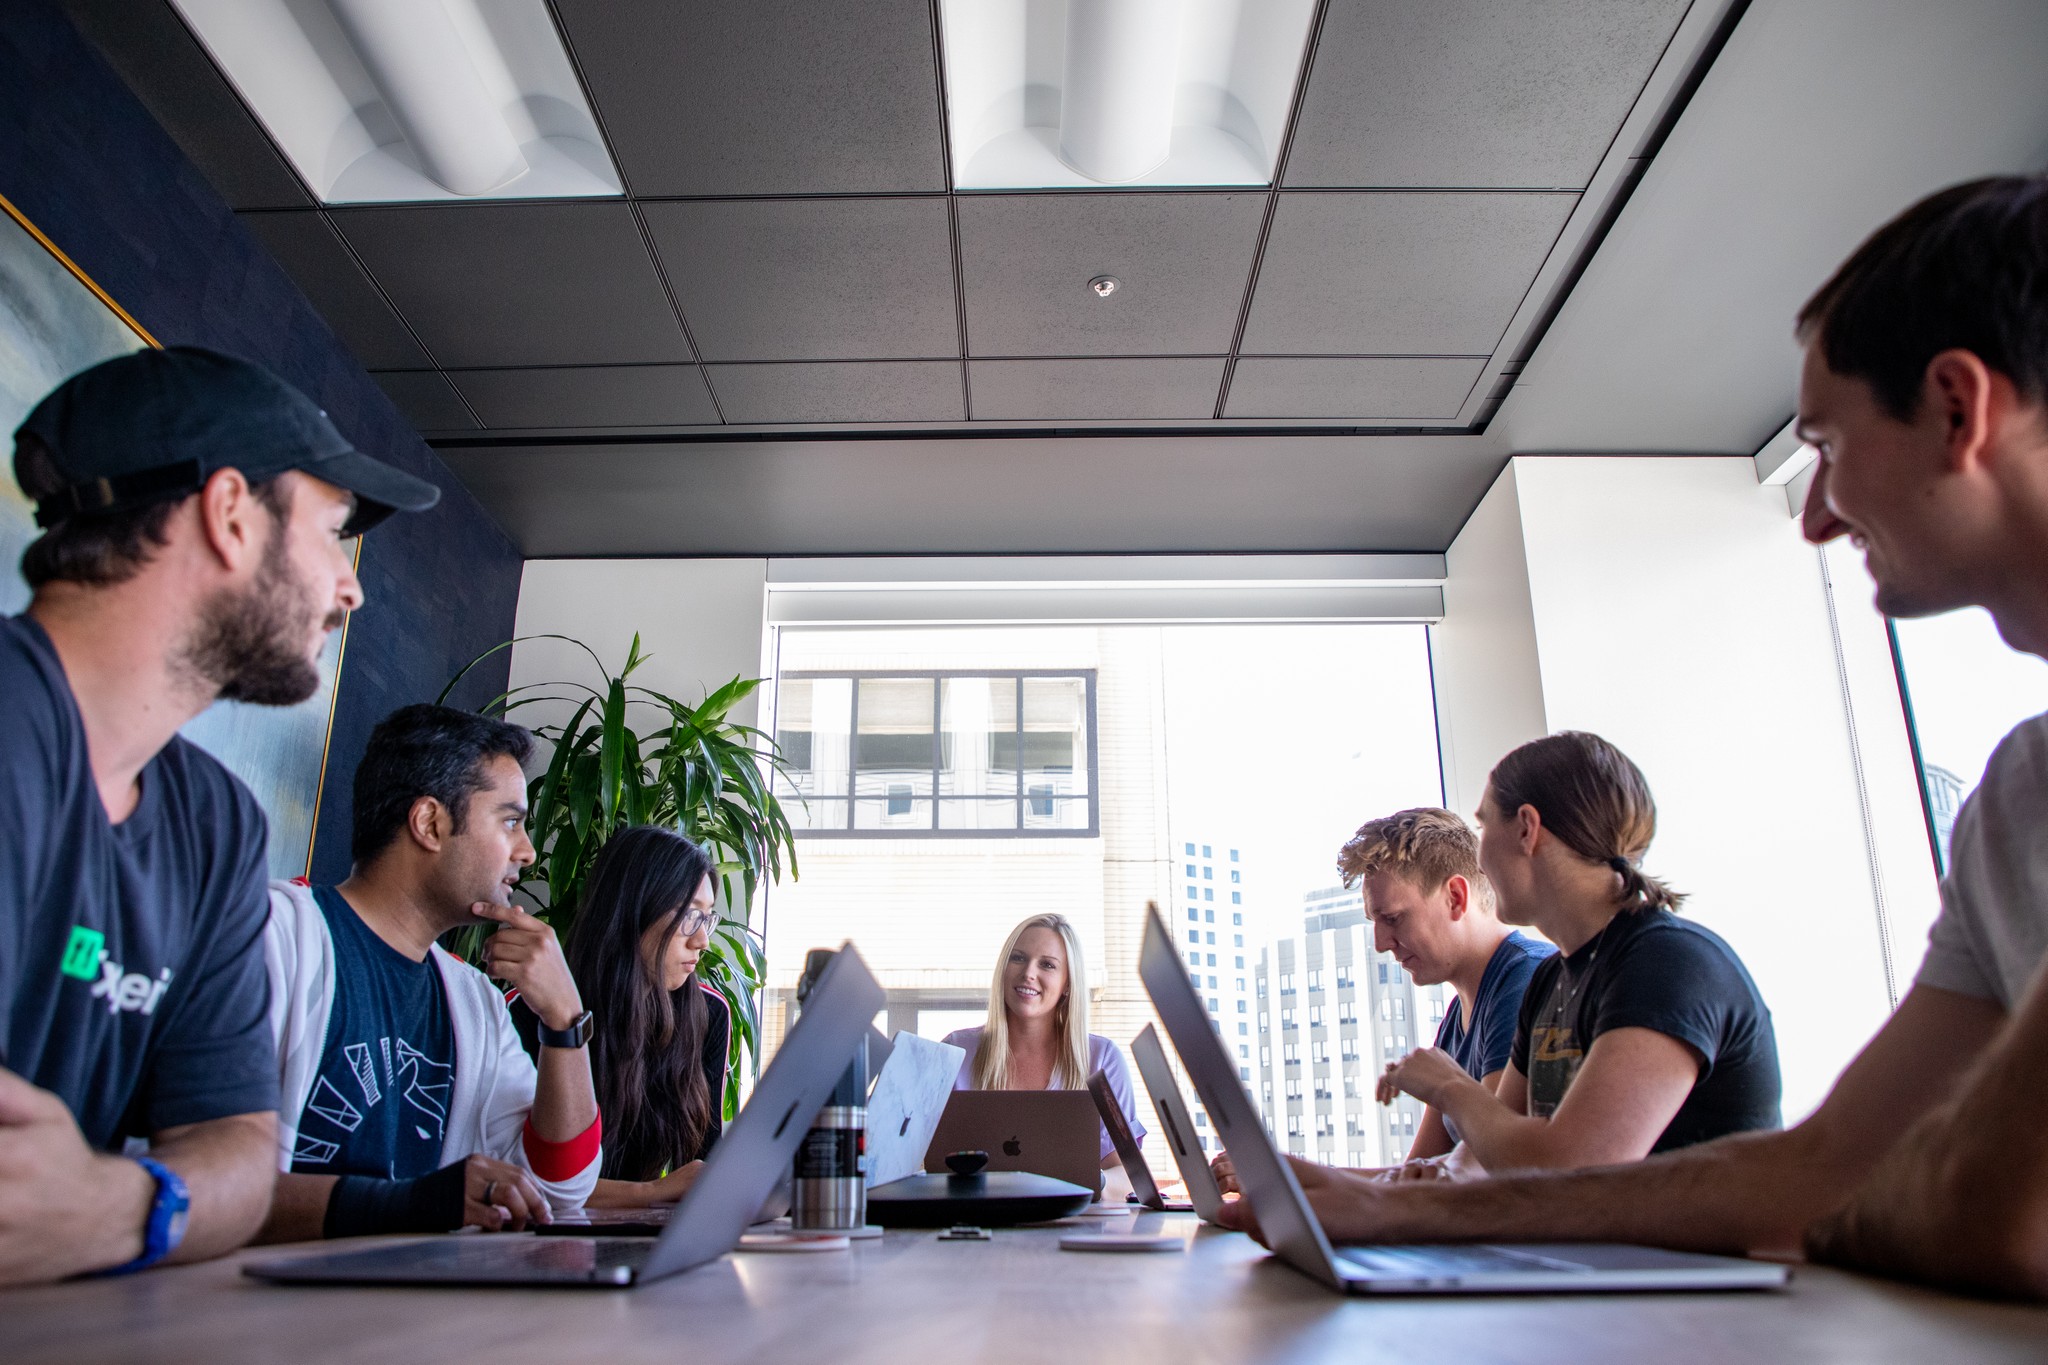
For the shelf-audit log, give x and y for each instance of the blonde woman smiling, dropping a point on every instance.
(1037, 1037)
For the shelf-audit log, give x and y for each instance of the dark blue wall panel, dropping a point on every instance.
(89, 166)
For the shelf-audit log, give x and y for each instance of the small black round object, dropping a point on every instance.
(966, 1163)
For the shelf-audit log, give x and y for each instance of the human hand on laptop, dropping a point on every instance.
(1342, 1201)
(524, 953)
(498, 1196)
(1226, 1174)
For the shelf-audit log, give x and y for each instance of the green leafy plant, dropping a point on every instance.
(629, 755)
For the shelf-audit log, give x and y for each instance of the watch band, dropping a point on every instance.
(167, 1215)
(576, 1035)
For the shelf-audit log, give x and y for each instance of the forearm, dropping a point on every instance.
(1502, 1140)
(298, 1209)
(1962, 1200)
(229, 1168)
(564, 1099)
(622, 1194)
(1753, 1192)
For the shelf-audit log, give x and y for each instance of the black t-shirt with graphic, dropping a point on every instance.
(1654, 970)
(379, 1105)
(132, 982)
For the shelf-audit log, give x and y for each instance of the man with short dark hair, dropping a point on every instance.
(1925, 392)
(409, 1103)
(196, 511)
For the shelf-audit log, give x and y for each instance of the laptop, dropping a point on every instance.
(742, 1170)
(1045, 1132)
(1297, 1238)
(1176, 1125)
(909, 1097)
(1144, 1188)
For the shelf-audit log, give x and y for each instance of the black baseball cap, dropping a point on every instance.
(153, 426)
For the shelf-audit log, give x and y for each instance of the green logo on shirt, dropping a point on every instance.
(82, 955)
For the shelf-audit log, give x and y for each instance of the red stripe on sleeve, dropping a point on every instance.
(559, 1161)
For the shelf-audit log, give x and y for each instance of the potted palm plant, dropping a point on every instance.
(628, 755)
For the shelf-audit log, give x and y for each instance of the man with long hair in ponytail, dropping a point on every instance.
(1645, 1033)
(1925, 391)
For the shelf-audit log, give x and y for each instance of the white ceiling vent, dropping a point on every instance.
(1045, 94)
(384, 101)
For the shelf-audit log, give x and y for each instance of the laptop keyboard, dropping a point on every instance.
(1439, 1261)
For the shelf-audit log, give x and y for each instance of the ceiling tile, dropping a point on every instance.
(1482, 93)
(811, 279)
(1393, 274)
(149, 45)
(1415, 388)
(1019, 390)
(766, 97)
(588, 396)
(1182, 261)
(334, 284)
(520, 284)
(426, 399)
(864, 391)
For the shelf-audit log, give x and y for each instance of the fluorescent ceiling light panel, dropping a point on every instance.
(1059, 94)
(394, 101)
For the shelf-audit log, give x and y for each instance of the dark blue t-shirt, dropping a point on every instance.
(1650, 969)
(1488, 1045)
(132, 981)
(379, 1105)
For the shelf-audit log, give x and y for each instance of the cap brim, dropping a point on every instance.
(380, 490)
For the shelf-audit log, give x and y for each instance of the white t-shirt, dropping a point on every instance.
(1993, 928)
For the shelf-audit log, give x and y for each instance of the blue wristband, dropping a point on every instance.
(167, 1214)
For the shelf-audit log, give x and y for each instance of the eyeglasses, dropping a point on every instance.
(694, 920)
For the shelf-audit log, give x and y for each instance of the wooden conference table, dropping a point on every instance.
(910, 1300)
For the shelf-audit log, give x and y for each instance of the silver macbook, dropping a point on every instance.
(909, 1096)
(754, 1153)
(1143, 1187)
(1046, 1132)
(1297, 1238)
(1176, 1125)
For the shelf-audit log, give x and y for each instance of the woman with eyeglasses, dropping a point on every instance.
(659, 1031)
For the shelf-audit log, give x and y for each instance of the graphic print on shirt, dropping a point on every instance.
(1554, 1053)
(359, 1086)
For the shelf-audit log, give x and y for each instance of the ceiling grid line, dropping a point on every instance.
(952, 214)
(1244, 312)
(434, 363)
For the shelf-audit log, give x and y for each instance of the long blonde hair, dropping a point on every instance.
(1070, 1019)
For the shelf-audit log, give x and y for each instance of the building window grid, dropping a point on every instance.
(1022, 798)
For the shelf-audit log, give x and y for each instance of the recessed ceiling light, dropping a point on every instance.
(389, 101)
(1105, 285)
(1054, 94)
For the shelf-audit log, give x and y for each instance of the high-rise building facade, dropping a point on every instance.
(1329, 1014)
(1207, 920)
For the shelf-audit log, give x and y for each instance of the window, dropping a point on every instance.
(1240, 980)
(1236, 918)
(1209, 936)
(1212, 980)
(1345, 981)
(1205, 851)
(1237, 940)
(1348, 1049)
(1351, 1087)
(1287, 1018)
(1260, 983)
(1293, 1087)
(1209, 894)
(1242, 1029)
(1291, 1054)
(1233, 855)
(1287, 983)
(1201, 1119)
(1209, 916)
(1400, 1009)
(1191, 869)
(1319, 1053)
(1294, 1125)
(1192, 894)
(1265, 1056)
(1347, 1012)
(1233, 874)
(1244, 1051)
(919, 754)
(1194, 935)
(1240, 1007)
(1208, 874)
(1383, 973)
(1966, 688)
(1212, 962)
(1194, 914)
(1244, 1073)
(1195, 958)
(1240, 965)
(1315, 1016)
(1191, 853)
(1315, 980)
(1237, 898)
(1212, 1004)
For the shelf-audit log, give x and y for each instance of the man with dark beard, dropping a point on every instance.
(195, 510)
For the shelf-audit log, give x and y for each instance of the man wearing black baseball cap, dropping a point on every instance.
(195, 510)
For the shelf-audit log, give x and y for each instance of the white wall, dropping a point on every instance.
(1676, 611)
(701, 621)
(1489, 685)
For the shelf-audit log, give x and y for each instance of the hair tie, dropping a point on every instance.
(1621, 865)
